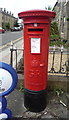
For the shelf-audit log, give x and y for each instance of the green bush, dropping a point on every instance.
(8, 26)
(58, 43)
(67, 19)
(54, 29)
(54, 37)
(54, 33)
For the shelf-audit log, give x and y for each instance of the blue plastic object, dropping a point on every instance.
(8, 113)
(13, 73)
(3, 104)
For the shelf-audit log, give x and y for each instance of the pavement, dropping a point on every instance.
(57, 106)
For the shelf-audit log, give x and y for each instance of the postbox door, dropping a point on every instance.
(36, 60)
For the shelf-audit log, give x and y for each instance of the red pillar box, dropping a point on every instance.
(36, 44)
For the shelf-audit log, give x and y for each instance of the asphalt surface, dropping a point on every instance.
(10, 36)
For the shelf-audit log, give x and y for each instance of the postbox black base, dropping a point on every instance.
(35, 101)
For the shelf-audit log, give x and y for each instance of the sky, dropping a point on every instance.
(17, 6)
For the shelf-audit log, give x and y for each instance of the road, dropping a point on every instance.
(9, 36)
(5, 45)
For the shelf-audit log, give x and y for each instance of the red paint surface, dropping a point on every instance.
(36, 64)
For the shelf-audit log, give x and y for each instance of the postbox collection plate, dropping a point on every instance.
(35, 45)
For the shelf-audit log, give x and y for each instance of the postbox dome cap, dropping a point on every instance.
(37, 13)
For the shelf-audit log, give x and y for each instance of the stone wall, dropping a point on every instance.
(61, 9)
(54, 82)
(6, 17)
(57, 61)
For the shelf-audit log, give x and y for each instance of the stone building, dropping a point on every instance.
(6, 18)
(61, 8)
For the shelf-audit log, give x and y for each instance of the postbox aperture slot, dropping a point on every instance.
(35, 30)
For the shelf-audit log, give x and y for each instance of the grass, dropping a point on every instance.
(21, 87)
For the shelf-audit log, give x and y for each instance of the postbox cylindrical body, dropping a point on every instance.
(36, 44)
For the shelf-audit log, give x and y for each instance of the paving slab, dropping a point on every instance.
(54, 109)
(15, 102)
